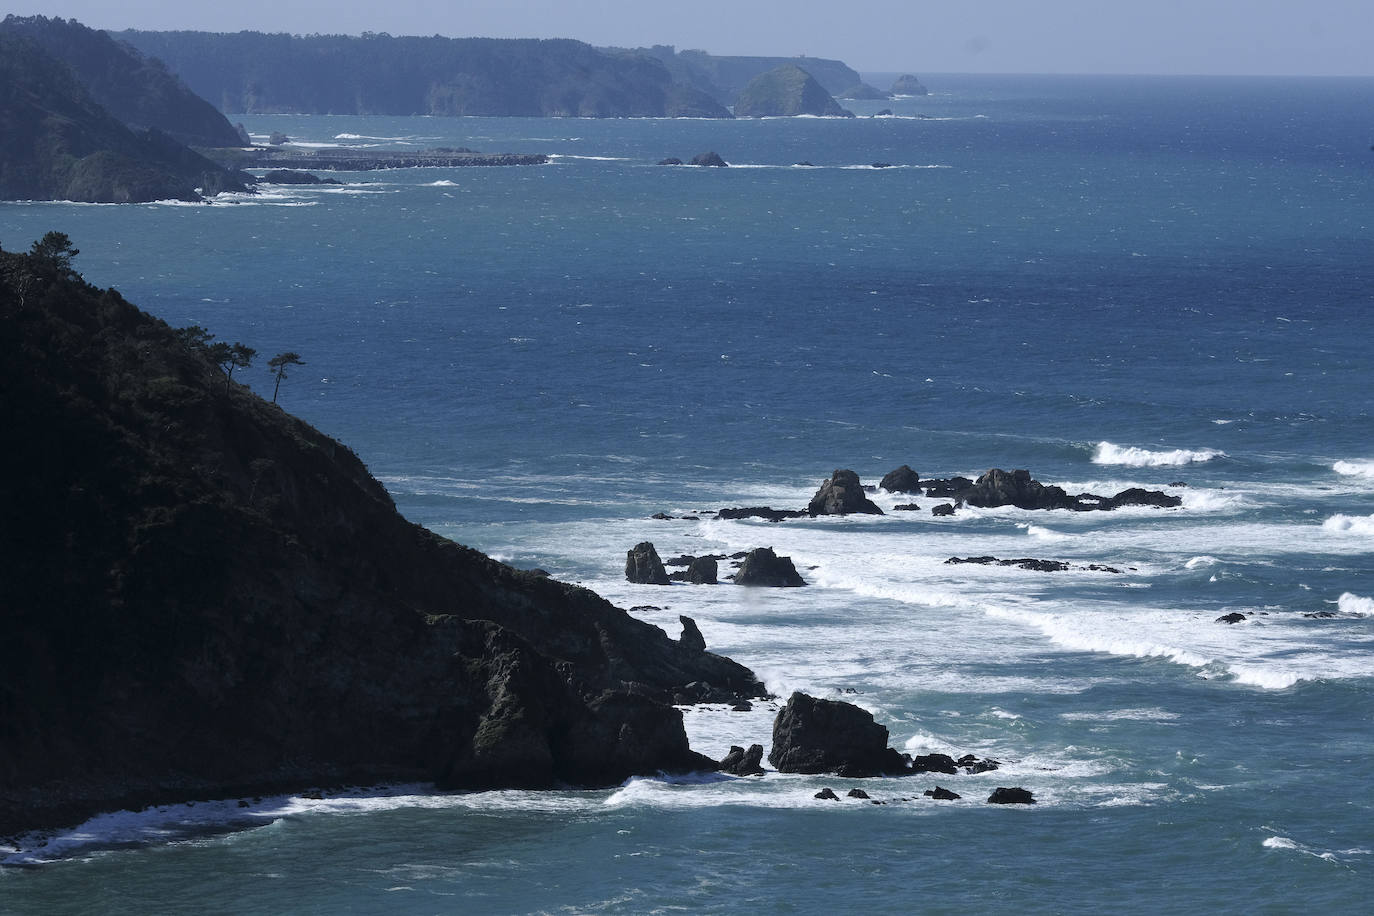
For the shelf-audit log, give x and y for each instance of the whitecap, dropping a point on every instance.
(1354, 468)
(1355, 605)
(1362, 525)
(1110, 453)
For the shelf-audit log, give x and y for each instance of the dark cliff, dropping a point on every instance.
(201, 595)
(58, 143)
(380, 74)
(135, 89)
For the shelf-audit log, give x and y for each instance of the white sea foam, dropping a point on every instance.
(441, 183)
(1354, 468)
(1201, 562)
(1110, 453)
(1362, 525)
(1329, 855)
(1355, 605)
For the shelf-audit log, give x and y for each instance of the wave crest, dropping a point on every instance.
(1350, 524)
(1355, 605)
(1354, 468)
(1110, 453)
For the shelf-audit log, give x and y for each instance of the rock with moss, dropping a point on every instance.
(787, 91)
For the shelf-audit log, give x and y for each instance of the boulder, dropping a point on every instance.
(702, 571)
(826, 794)
(906, 507)
(762, 567)
(643, 567)
(709, 159)
(828, 736)
(1138, 496)
(1013, 488)
(940, 793)
(740, 762)
(1013, 796)
(842, 494)
(944, 509)
(934, 763)
(1233, 617)
(901, 480)
(691, 638)
(857, 793)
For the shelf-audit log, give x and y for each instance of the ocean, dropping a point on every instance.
(1108, 281)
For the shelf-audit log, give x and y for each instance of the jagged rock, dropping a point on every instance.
(702, 571)
(643, 567)
(825, 736)
(1233, 617)
(826, 794)
(740, 762)
(972, 765)
(764, 512)
(906, 507)
(1138, 496)
(944, 509)
(842, 494)
(940, 793)
(947, 488)
(1012, 796)
(671, 160)
(709, 159)
(857, 793)
(691, 638)
(901, 480)
(1017, 488)
(934, 763)
(762, 567)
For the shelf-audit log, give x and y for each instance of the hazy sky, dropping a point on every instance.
(1319, 37)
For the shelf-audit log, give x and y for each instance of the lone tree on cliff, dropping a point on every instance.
(230, 357)
(278, 364)
(54, 251)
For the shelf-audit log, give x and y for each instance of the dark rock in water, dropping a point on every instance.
(277, 138)
(941, 510)
(663, 517)
(764, 512)
(901, 480)
(947, 488)
(643, 567)
(823, 736)
(906, 84)
(702, 571)
(826, 794)
(709, 159)
(741, 706)
(863, 92)
(683, 560)
(671, 160)
(906, 507)
(842, 494)
(1233, 617)
(941, 794)
(805, 164)
(691, 639)
(1321, 615)
(885, 113)
(1017, 488)
(882, 165)
(934, 763)
(1178, 483)
(857, 793)
(287, 176)
(972, 765)
(740, 762)
(762, 567)
(1138, 496)
(1022, 563)
(1012, 796)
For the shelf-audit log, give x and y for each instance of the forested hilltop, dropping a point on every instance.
(255, 72)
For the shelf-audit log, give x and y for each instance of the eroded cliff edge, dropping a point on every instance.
(202, 595)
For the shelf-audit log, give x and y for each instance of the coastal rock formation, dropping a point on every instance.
(939, 793)
(711, 159)
(139, 91)
(901, 480)
(906, 84)
(1030, 563)
(740, 762)
(207, 597)
(1232, 618)
(691, 639)
(643, 567)
(828, 736)
(842, 494)
(1017, 488)
(1011, 796)
(702, 571)
(768, 513)
(58, 143)
(763, 568)
(786, 91)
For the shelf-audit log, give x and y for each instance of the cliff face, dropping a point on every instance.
(137, 90)
(57, 142)
(201, 595)
(379, 74)
(786, 91)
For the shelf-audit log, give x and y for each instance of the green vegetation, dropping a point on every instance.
(278, 365)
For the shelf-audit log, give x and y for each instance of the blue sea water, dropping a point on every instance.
(1111, 282)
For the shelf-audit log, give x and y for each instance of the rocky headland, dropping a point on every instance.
(206, 597)
(787, 91)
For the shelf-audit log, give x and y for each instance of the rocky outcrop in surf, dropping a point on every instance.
(842, 494)
(763, 568)
(643, 567)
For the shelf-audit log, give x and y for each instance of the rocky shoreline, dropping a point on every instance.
(353, 161)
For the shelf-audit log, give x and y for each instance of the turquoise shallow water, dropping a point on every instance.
(1109, 281)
